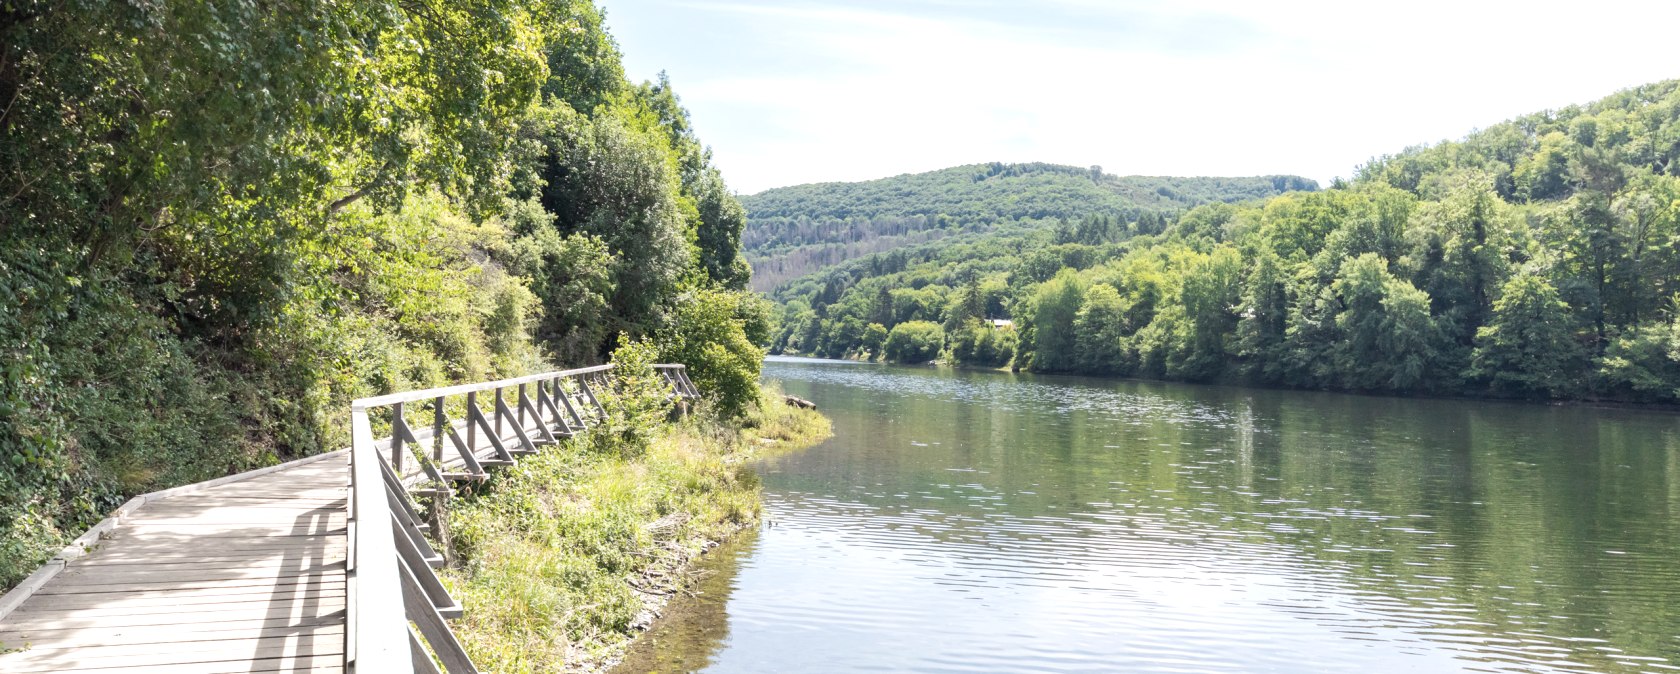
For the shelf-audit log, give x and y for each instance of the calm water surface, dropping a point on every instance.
(985, 522)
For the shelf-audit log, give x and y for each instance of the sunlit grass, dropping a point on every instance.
(561, 557)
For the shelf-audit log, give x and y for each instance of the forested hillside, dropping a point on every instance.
(1539, 257)
(222, 221)
(794, 231)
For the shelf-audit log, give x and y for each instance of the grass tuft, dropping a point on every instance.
(569, 554)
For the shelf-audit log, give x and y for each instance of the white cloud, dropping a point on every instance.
(1197, 87)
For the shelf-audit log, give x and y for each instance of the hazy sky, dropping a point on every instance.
(791, 91)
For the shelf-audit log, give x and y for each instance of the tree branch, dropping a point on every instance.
(340, 203)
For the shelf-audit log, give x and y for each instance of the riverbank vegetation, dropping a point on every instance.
(566, 556)
(1538, 258)
(221, 221)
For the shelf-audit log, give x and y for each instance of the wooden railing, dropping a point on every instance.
(397, 609)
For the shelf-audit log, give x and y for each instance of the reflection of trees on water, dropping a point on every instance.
(693, 628)
(1503, 520)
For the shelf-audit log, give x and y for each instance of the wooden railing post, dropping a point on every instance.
(397, 448)
(498, 406)
(472, 429)
(438, 423)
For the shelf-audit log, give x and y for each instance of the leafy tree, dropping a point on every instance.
(1210, 293)
(1264, 318)
(874, 338)
(1644, 363)
(913, 342)
(1647, 216)
(572, 277)
(1528, 348)
(710, 337)
(1460, 249)
(719, 217)
(1054, 307)
(1387, 332)
(606, 180)
(967, 303)
(1100, 334)
(977, 342)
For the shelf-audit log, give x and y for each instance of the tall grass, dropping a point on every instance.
(564, 557)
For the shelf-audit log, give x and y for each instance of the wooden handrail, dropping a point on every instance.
(376, 630)
(463, 389)
(390, 581)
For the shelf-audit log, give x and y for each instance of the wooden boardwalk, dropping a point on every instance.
(246, 576)
(320, 565)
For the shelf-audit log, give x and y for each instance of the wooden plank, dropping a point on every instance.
(275, 564)
(231, 530)
(104, 607)
(525, 443)
(296, 664)
(30, 587)
(248, 503)
(421, 659)
(161, 554)
(201, 595)
(237, 516)
(316, 492)
(464, 453)
(336, 479)
(328, 472)
(545, 436)
(149, 655)
(244, 576)
(329, 475)
(169, 634)
(294, 611)
(566, 401)
(547, 402)
(140, 544)
(175, 574)
(87, 588)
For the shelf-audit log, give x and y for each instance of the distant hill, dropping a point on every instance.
(794, 231)
(1535, 258)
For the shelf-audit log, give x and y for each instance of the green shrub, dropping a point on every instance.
(710, 336)
(914, 342)
(636, 403)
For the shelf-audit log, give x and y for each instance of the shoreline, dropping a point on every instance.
(569, 561)
(1613, 404)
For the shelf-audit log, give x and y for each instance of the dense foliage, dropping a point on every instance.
(1537, 258)
(221, 221)
(794, 231)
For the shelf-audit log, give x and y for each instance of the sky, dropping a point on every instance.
(796, 91)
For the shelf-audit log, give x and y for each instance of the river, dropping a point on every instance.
(966, 521)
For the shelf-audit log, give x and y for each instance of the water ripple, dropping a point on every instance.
(976, 522)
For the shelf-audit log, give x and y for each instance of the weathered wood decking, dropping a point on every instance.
(320, 565)
(246, 576)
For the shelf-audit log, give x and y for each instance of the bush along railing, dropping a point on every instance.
(397, 609)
